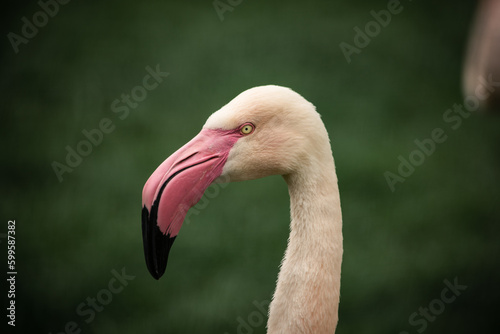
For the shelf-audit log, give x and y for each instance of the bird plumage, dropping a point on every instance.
(287, 138)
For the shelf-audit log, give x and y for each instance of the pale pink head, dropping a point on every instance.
(265, 130)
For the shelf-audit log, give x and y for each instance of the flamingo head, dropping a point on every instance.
(267, 130)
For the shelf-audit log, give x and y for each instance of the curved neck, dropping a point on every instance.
(307, 293)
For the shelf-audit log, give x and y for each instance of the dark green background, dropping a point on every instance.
(441, 223)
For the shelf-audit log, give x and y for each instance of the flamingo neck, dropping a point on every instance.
(307, 293)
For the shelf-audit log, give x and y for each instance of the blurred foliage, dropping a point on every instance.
(441, 223)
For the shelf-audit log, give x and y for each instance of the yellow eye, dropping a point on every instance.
(247, 128)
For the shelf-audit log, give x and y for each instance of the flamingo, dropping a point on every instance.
(481, 72)
(266, 130)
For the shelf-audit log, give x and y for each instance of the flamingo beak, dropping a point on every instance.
(177, 185)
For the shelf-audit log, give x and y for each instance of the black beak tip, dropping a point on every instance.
(156, 245)
(156, 275)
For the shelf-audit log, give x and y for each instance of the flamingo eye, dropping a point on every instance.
(247, 128)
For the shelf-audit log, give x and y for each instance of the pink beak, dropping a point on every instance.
(175, 186)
